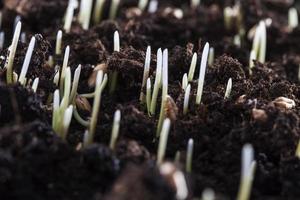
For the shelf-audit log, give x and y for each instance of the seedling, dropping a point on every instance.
(75, 84)
(247, 173)
(153, 5)
(22, 77)
(228, 89)
(293, 18)
(202, 73)
(100, 84)
(73, 4)
(184, 81)
(114, 76)
(208, 194)
(186, 99)
(98, 11)
(163, 140)
(113, 9)
(63, 70)
(115, 129)
(85, 13)
(148, 95)
(192, 68)
(56, 78)
(195, 3)
(58, 43)
(211, 57)
(35, 84)
(146, 73)
(12, 52)
(164, 91)
(259, 46)
(189, 156)
(142, 4)
(157, 82)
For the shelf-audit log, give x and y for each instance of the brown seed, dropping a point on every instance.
(242, 99)
(83, 104)
(93, 76)
(171, 109)
(259, 115)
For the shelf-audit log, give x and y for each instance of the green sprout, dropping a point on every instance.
(115, 129)
(98, 11)
(146, 73)
(22, 77)
(157, 82)
(247, 173)
(12, 52)
(189, 156)
(228, 89)
(202, 73)
(163, 140)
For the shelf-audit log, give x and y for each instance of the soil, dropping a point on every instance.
(36, 164)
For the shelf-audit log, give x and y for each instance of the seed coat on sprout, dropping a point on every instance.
(157, 81)
(12, 52)
(115, 129)
(22, 77)
(192, 67)
(163, 140)
(146, 73)
(228, 89)
(247, 173)
(58, 43)
(202, 73)
(189, 156)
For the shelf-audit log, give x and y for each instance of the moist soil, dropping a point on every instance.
(36, 164)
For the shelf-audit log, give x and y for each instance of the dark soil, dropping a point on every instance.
(36, 164)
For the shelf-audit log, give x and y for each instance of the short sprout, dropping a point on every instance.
(22, 77)
(75, 84)
(157, 82)
(142, 4)
(163, 140)
(64, 67)
(195, 3)
(153, 5)
(202, 73)
(228, 89)
(35, 84)
(184, 81)
(259, 46)
(208, 194)
(148, 95)
(12, 53)
(189, 156)
(192, 67)
(186, 99)
(293, 18)
(146, 73)
(2, 40)
(58, 43)
(115, 129)
(116, 41)
(211, 57)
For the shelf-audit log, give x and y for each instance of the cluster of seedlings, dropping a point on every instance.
(87, 113)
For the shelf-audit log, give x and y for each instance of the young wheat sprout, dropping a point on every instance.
(293, 18)
(113, 9)
(75, 84)
(142, 4)
(163, 140)
(58, 43)
(202, 73)
(148, 95)
(153, 5)
(164, 91)
(184, 81)
(35, 84)
(98, 11)
(16, 21)
(157, 82)
(211, 57)
(115, 130)
(228, 89)
(2, 39)
(114, 75)
(252, 58)
(186, 99)
(67, 121)
(116, 41)
(247, 173)
(55, 110)
(208, 194)
(146, 73)
(63, 70)
(189, 156)
(12, 52)
(85, 13)
(22, 77)
(195, 3)
(56, 78)
(73, 4)
(96, 106)
(192, 67)
(67, 89)
(259, 44)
